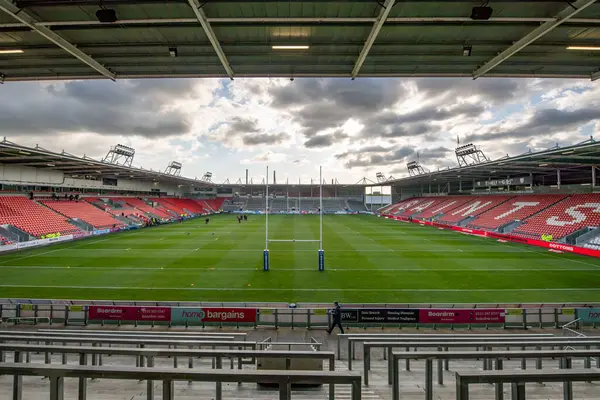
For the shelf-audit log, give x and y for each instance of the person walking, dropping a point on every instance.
(336, 313)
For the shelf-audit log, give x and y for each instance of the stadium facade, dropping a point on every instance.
(547, 198)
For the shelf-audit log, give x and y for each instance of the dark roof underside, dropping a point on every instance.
(574, 162)
(84, 167)
(417, 38)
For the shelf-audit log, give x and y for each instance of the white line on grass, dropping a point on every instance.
(530, 249)
(221, 289)
(84, 243)
(195, 269)
(350, 250)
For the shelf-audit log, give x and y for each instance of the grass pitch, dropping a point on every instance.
(367, 260)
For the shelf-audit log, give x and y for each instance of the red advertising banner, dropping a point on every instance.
(532, 242)
(461, 316)
(126, 313)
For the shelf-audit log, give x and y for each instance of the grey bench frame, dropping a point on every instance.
(444, 345)
(498, 356)
(150, 354)
(142, 332)
(352, 338)
(84, 334)
(140, 342)
(57, 373)
(519, 378)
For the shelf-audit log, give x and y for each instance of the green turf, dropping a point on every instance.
(368, 259)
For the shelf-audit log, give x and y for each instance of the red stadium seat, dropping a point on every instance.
(476, 206)
(450, 203)
(516, 209)
(576, 212)
(32, 217)
(84, 211)
(144, 207)
(426, 203)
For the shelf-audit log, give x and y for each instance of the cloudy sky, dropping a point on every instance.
(351, 128)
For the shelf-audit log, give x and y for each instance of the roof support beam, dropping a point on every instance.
(201, 17)
(383, 14)
(22, 16)
(573, 9)
(301, 20)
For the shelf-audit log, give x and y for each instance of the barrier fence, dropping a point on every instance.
(91, 314)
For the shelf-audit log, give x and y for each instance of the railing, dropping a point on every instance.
(147, 357)
(518, 380)
(309, 316)
(487, 356)
(284, 379)
(353, 338)
(488, 344)
(268, 343)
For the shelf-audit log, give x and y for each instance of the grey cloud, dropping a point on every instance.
(363, 150)
(320, 104)
(240, 126)
(357, 158)
(436, 153)
(543, 122)
(365, 94)
(493, 89)
(264, 138)
(381, 156)
(106, 108)
(325, 140)
(417, 123)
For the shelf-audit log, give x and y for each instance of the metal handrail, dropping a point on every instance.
(566, 328)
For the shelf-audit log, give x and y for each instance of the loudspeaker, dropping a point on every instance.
(107, 16)
(481, 13)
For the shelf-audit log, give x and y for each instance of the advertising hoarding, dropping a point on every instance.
(462, 316)
(589, 315)
(127, 313)
(181, 316)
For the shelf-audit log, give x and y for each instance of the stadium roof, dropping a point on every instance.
(574, 162)
(83, 167)
(63, 39)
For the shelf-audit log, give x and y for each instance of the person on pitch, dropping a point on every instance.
(336, 313)
(206, 221)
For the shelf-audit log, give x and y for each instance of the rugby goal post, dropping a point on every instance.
(321, 252)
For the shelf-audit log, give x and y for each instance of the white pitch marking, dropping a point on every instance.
(127, 249)
(459, 250)
(216, 239)
(84, 243)
(197, 249)
(220, 289)
(308, 269)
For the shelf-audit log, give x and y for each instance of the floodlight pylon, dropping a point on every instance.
(174, 168)
(120, 155)
(469, 154)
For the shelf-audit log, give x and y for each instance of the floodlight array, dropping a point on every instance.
(124, 150)
(466, 150)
